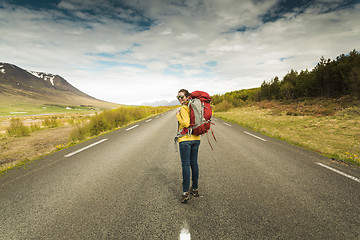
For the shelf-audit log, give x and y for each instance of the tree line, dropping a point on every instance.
(329, 78)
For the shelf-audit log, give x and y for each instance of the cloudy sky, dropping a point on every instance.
(142, 51)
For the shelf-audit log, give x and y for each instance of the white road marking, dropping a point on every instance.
(185, 234)
(157, 117)
(132, 127)
(227, 124)
(339, 172)
(148, 120)
(255, 136)
(84, 148)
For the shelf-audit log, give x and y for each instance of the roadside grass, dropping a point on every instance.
(17, 128)
(333, 133)
(113, 119)
(85, 126)
(25, 125)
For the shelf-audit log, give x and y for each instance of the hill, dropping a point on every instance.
(24, 90)
(329, 79)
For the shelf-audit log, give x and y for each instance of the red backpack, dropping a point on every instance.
(200, 115)
(200, 112)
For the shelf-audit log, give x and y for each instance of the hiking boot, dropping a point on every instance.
(185, 197)
(194, 192)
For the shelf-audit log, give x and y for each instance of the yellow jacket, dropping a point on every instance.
(184, 121)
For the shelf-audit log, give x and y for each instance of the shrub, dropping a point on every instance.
(111, 119)
(71, 121)
(224, 106)
(98, 124)
(349, 112)
(17, 128)
(50, 122)
(34, 127)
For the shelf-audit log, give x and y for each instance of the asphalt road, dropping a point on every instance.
(127, 185)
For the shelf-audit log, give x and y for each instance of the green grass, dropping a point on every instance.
(336, 136)
(30, 109)
(15, 105)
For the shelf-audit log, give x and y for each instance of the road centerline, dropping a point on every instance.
(84, 148)
(132, 127)
(227, 124)
(255, 136)
(185, 233)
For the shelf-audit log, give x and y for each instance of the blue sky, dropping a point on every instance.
(135, 52)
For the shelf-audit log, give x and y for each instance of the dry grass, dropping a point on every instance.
(336, 136)
(16, 150)
(44, 137)
(49, 133)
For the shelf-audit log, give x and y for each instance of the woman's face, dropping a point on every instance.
(182, 98)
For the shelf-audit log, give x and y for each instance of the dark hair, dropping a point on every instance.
(185, 92)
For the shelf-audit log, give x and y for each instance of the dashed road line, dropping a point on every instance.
(255, 136)
(132, 127)
(84, 148)
(91, 145)
(339, 172)
(226, 124)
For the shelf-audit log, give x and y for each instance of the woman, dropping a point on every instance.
(189, 146)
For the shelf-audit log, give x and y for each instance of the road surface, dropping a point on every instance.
(127, 185)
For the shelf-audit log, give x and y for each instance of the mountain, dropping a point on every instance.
(19, 86)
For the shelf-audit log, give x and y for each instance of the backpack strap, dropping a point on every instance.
(176, 138)
(207, 136)
(180, 134)
(213, 131)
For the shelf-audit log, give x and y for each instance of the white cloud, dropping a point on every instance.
(138, 61)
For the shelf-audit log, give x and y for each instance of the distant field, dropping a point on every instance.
(18, 106)
(30, 110)
(336, 135)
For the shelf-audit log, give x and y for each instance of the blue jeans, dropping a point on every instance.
(189, 160)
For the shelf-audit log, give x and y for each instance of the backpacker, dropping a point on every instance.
(200, 115)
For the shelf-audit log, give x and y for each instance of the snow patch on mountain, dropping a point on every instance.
(2, 69)
(45, 76)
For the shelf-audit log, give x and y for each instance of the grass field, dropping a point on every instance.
(333, 132)
(26, 138)
(16, 105)
(29, 109)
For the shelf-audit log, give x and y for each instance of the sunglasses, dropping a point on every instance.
(180, 97)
